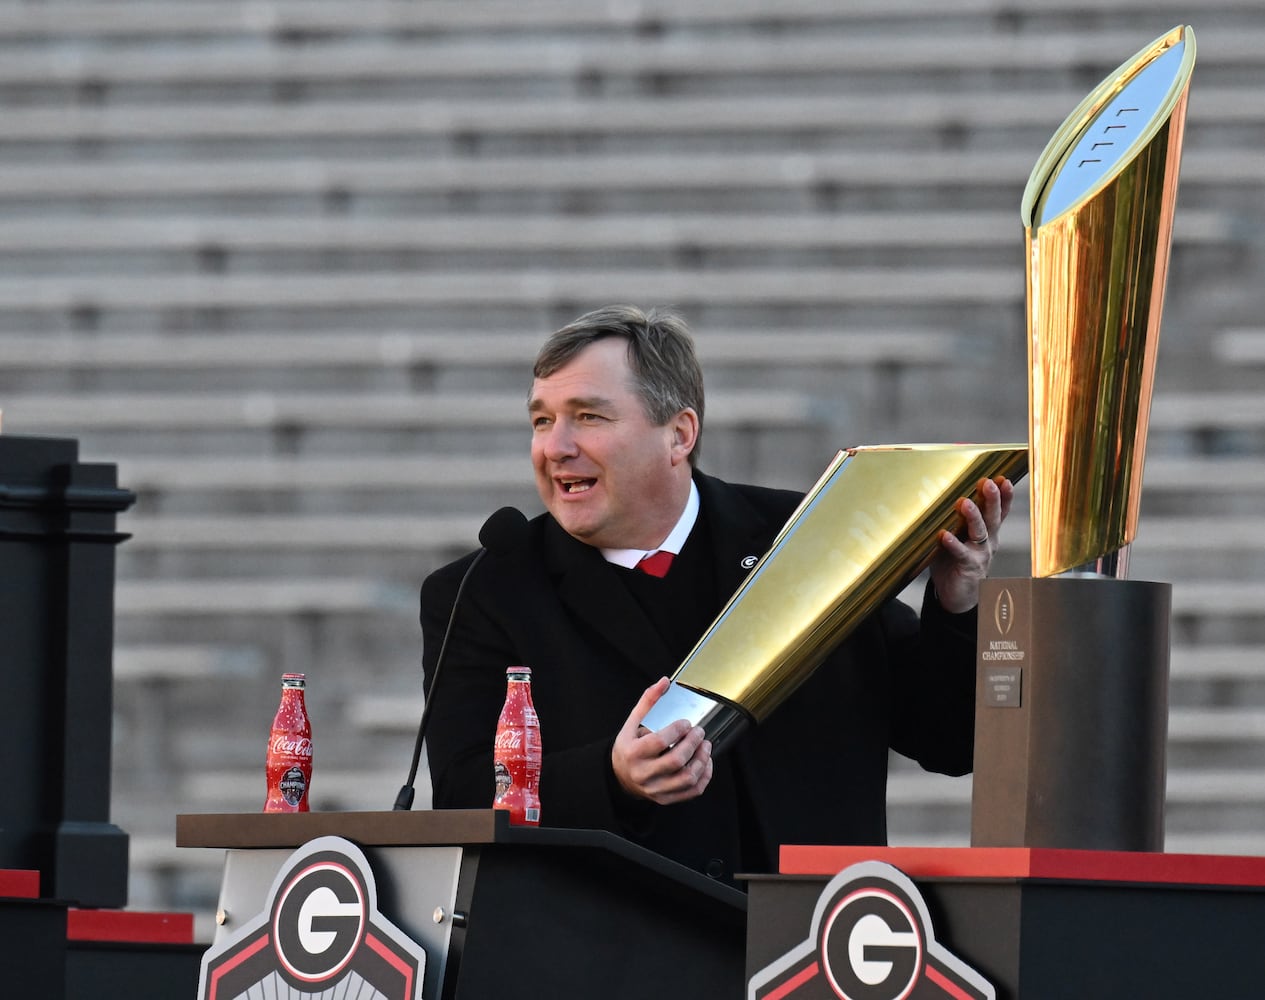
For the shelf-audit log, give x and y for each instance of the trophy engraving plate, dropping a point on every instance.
(1003, 687)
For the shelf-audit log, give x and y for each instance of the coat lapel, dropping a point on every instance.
(591, 590)
(741, 534)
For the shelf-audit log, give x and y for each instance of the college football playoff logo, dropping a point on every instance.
(320, 931)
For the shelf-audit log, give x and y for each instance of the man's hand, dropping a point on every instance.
(963, 562)
(671, 765)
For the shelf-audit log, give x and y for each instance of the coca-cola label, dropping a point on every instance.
(284, 743)
(293, 784)
(509, 739)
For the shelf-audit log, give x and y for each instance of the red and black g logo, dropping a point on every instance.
(871, 939)
(871, 946)
(319, 934)
(318, 920)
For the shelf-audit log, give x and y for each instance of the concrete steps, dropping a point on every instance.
(286, 264)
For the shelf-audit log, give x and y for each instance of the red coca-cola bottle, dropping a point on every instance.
(517, 752)
(289, 765)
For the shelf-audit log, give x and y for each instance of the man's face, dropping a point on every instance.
(608, 475)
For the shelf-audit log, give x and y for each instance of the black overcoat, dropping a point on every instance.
(815, 772)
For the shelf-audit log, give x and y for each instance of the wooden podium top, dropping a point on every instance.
(376, 829)
(435, 828)
(1032, 863)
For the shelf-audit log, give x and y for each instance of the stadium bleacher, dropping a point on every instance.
(286, 262)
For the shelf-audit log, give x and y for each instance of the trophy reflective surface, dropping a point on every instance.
(865, 530)
(1071, 721)
(1098, 220)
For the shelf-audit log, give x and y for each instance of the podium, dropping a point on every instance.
(63, 864)
(506, 911)
(1041, 924)
(57, 543)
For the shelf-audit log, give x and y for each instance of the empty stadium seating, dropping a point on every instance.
(286, 263)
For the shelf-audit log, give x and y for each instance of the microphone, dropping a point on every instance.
(500, 533)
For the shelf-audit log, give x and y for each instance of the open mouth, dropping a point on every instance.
(574, 486)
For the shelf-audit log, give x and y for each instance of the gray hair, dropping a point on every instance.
(666, 373)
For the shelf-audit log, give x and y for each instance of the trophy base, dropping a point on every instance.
(722, 721)
(1071, 717)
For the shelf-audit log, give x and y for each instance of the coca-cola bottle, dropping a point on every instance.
(289, 767)
(517, 751)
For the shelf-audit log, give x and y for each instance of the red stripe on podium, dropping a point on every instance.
(946, 984)
(16, 883)
(1032, 863)
(795, 982)
(129, 926)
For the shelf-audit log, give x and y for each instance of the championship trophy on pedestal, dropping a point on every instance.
(1072, 693)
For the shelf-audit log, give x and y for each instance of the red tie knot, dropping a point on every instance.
(656, 564)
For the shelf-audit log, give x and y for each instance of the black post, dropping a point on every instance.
(57, 541)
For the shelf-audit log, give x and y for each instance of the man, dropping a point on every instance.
(616, 411)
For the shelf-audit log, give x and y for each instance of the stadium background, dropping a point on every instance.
(286, 264)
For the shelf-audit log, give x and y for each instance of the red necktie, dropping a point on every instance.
(656, 564)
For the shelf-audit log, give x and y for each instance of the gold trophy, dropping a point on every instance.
(1073, 662)
(862, 533)
(1098, 222)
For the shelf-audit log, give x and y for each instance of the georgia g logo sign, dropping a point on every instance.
(871, 940)
(320, 935)
(318, 921)
(871, 946)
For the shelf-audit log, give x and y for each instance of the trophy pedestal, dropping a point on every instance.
(1071, 714)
